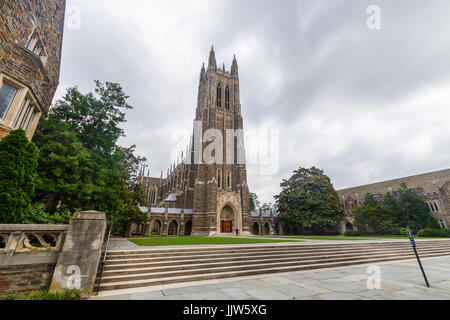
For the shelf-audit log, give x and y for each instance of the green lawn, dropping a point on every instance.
(177, 241)
(347, 238)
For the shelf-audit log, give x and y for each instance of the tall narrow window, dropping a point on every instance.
(7, 94)
(228, 180)
(219, 96)
(25, 116)
(219, 176)
(24, 103)
(227, 98)
(31, 120)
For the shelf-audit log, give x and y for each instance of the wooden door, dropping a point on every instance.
(228, 226)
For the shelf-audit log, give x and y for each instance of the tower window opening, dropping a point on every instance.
(227, 98)
(219, 96)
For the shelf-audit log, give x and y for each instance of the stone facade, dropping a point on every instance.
(433, 187)
(55, 257)
(31, 35)
(217, 194)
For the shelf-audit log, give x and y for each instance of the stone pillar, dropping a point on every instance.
(80, 256)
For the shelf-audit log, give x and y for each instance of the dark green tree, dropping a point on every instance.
(65, 167)
(390, 204)
(18, 162)
(370, 201)
(376, 220)
(414, 211)
(82, 167)
(308, 198)
(432, 223)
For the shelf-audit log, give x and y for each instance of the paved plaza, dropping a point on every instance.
(398, 281)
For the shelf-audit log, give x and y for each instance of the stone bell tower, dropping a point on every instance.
(220, 190)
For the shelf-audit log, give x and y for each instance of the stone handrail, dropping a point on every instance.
(19, 238)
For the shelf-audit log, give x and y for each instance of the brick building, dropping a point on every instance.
(31, 35)
(433, 187)
(203, 197)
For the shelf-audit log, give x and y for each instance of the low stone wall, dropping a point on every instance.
(25, 278)
(38, 257)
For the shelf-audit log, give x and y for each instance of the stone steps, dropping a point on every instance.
(186, 261)
(204, 264)
(114, 262)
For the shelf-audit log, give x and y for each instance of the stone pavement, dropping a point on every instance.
(398, 280)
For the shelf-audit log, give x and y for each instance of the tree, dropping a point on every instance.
(18, 162)
(308, 198)
(254, 202)
(82, 167)
(369, 219)
(370, 201)
(65, 167)
(414, 211)
(95, 118)
(390, 204)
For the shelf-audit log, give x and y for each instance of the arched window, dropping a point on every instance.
(227, 98)
(219, 96)
(219, 178)
(228, 179)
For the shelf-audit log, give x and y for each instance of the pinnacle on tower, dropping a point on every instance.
(212, 60)
(234, 67)
(203, 72)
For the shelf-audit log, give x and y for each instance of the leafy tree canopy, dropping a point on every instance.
(308, 198)
(414, 210)
(81, 166)
(370, 201)
(18, 162)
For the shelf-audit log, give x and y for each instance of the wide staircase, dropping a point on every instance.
(144, 268)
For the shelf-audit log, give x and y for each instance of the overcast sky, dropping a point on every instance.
(363, 105)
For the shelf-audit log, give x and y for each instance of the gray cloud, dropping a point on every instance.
(363, 105)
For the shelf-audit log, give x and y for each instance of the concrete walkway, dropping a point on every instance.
(398, 281)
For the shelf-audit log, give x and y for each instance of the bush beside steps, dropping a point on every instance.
(440, 233)
(351, 233)
(46, 295)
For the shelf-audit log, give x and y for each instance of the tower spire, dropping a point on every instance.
(212, 59)
(202, 72)
(234, 67)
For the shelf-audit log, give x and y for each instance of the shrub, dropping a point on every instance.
(441, 233)
(72, 294)
(404, 231)
(351, 233)
(37, 215)
(18, 162)
(432, 223)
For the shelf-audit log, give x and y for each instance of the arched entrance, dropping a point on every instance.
(173, 228)
(188, 228)
(156, 228)
(277, 228)
(266, 228)
(255, 228)
(348, 227)
(226, 219)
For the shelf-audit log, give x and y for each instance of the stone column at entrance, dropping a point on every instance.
(77, 264)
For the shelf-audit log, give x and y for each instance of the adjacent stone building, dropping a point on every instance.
(433, 187)
(31, 35)
(197, 196)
